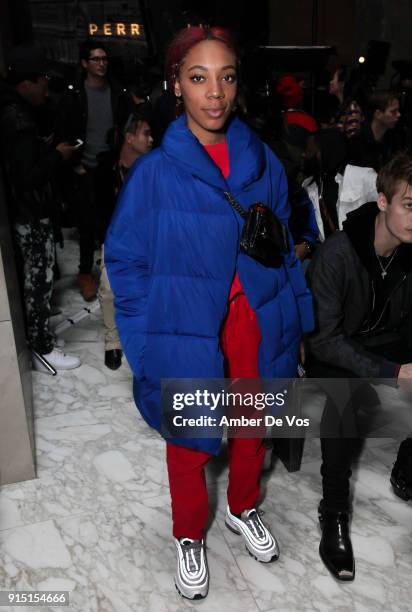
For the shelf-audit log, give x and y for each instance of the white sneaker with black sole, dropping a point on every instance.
(57, 359)
(260, 543)
(192, 574)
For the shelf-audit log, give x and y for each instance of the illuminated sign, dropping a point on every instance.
(115, 29)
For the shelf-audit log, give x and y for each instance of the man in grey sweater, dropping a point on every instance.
(93, 112)
(361, 279)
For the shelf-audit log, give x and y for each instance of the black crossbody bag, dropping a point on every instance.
(264, 237)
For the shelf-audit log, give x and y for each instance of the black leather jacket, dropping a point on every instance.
(30, 165)
(343, 291)
(73, 113)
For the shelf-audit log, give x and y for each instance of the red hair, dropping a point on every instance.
(188, 38)
(290, 91)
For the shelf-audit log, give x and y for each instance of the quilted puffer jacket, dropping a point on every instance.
(171, 253)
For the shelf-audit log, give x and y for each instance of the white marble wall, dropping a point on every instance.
(16, 416)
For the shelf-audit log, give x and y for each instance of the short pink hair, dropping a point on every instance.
(188, 38)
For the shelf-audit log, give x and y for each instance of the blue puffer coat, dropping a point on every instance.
(171, 253)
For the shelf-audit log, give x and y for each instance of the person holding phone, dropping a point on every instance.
(91, 113)
(189, 303)
(31, 164)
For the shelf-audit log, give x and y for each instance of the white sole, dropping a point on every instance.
(266, 558)
(194, 597)
(43, 370)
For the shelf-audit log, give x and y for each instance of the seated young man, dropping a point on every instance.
(361, 279)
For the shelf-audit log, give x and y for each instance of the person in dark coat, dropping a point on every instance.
(347, 89)
(379, 139)
(361, 279)
(189, 303)
(93, 111)
(31, 164)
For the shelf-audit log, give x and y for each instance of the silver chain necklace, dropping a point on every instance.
(384, 269)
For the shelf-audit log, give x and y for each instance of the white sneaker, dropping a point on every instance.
(192, 574)
(259, 542)
(59, 361)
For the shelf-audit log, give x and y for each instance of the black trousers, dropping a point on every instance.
(95, 205)
(340, 418)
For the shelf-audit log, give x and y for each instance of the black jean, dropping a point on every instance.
(338, 452)
(95, 206)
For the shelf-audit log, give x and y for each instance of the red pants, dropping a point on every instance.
(240, 340)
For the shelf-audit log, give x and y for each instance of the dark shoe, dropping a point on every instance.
(335, 547)
(401, 482)
(88, 287)
(113, 359)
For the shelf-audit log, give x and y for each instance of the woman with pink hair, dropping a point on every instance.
(190, 303)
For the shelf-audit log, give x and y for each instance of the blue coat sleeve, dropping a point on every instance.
(292, 264)
(127, 262)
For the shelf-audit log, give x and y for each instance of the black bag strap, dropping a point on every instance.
(238, 208)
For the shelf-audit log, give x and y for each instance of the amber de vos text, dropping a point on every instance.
(242, 421)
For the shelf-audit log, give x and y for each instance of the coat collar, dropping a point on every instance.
(246, 153)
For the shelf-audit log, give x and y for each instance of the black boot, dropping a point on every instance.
(401, 482)
(113, 359)
(335, 547)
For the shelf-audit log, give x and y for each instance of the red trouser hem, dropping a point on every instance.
(188, 489)
(240, 339)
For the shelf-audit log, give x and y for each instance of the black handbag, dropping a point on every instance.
(264, 237)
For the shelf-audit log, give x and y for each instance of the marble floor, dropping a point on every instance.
(96, 521)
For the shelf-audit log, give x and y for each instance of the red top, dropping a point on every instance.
(220, 154)
(240, 335)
